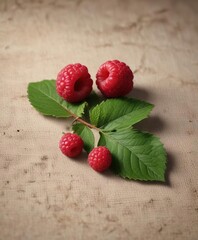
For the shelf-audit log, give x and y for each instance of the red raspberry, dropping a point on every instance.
(100, 158)
(71, 145)
(114, 79)
(74, 83)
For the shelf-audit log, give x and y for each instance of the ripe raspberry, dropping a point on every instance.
(74, 83)
(100, 158)
(114, 79)
(71, 145)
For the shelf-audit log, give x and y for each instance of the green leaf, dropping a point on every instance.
(92, 100)
(136, 155)
(43, 96)
(119, 113)
(86, 135)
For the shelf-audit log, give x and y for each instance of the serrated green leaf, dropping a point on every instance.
(136, 155)
(119, 113)
(86, 135)
(43, 96)
(92, 100)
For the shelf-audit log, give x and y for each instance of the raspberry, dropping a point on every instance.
(74, 83)
(114, 79)
(71, 145)
(100, 158)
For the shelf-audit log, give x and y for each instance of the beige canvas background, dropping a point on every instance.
(44, 195)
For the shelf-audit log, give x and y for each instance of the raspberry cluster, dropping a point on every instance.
(74, 84)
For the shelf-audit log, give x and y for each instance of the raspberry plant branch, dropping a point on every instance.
(136, 155)
(80, 120)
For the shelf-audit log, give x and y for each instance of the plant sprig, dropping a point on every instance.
(136, 155)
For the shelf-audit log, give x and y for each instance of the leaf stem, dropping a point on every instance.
(78, 119)
(87, 124)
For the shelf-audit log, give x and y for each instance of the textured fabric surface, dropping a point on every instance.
(44, 195)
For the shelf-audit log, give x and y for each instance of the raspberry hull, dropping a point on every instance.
(71, 145)
(100, 158)
(74, 83)
(114, 79)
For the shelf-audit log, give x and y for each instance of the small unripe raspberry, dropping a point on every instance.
(100, 158)
(74, 83)
(71, 145)
(114, 79)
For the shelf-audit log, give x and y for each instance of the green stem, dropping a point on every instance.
(78, 119)
(87, 124)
